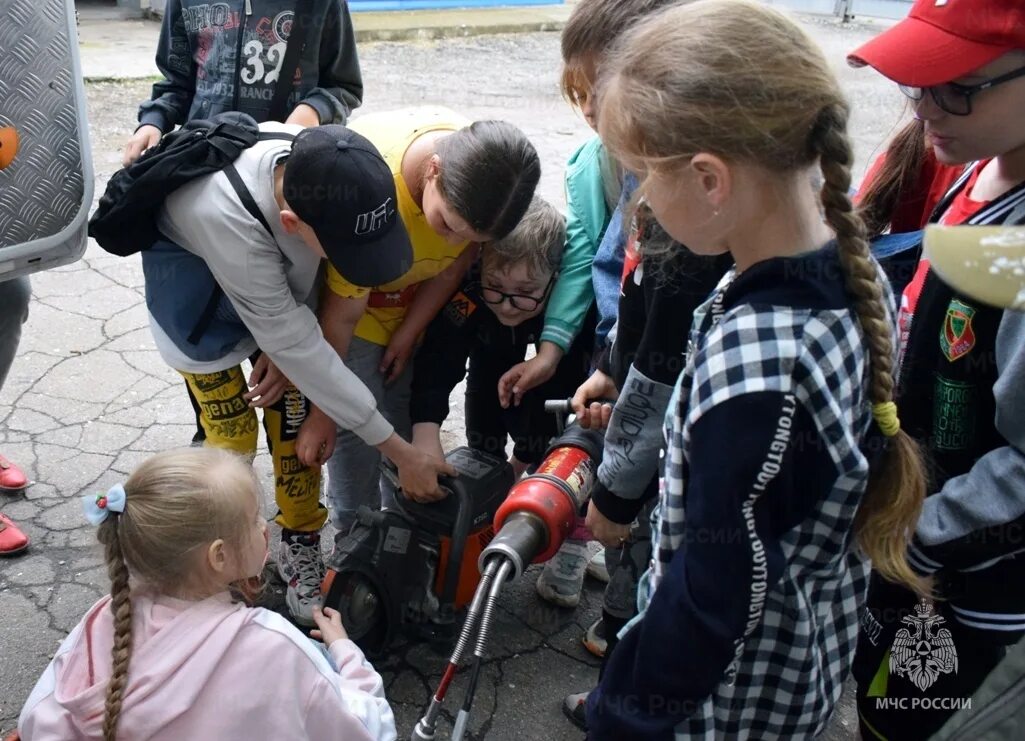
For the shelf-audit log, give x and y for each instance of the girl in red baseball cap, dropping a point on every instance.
(962, 64)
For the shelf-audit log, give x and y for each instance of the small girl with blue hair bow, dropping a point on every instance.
(169, 654)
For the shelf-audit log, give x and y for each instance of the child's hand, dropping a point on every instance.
(610, 534)
(418, 476)
(144, 138)
(316, 440)
(267, 384)
(329, 625)
(304, 115)
(524, 376)
(396, 355)
(589, 411)
(419, 482)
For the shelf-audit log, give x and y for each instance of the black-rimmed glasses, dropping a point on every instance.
(957, 99)
(519, 301)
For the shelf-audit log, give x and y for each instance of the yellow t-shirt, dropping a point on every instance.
(392, 133)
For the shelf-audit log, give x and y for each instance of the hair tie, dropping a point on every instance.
(885, 415)
(97, 507)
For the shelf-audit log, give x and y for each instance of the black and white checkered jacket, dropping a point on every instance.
(751, 608)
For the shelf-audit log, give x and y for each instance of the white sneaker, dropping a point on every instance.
(563, 576)
(596, 568)
(301, 566)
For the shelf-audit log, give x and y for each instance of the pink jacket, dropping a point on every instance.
(209, 669)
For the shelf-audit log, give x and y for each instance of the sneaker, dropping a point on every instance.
(563, 576)
(301, 567)
(12, 540)
(594, 639)
(574, 707)
(596, 568)
(12, 479)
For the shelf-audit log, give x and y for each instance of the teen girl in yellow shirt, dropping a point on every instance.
(457, 185)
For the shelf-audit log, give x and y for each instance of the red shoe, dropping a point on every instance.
(12, 540)
(12, 479)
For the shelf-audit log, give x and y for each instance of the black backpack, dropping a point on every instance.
(125, 222)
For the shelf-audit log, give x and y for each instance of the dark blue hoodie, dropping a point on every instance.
(210, 67)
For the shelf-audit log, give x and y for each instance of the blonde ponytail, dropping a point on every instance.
(896, 486)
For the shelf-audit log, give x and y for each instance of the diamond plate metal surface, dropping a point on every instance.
(41, 192)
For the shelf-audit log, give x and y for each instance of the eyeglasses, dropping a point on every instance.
(957, 99)
(518, 300)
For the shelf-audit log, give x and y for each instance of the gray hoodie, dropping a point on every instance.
(271, 282)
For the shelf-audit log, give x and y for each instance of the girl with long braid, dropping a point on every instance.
(169, 654)
(786, 471)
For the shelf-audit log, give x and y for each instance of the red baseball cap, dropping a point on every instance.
(942, 40)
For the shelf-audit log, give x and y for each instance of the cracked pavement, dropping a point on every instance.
(89, 397)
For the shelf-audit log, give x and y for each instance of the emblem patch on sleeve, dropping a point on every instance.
(957, 338)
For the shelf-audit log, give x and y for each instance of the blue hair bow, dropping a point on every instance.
(97, 507)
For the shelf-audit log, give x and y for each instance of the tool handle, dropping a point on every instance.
(558, 406)
(391, 473)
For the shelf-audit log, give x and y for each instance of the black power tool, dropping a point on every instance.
(412, 567)
(533, 522)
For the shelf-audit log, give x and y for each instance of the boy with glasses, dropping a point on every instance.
(490, 321)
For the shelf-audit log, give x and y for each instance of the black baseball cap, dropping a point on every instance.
(337, 182)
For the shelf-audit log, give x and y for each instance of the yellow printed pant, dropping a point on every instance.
(230, 423)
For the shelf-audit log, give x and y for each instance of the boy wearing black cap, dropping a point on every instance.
(328, 194)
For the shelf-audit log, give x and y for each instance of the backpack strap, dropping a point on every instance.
(249, 203)
(296, 41)
(239, 185)
(264, 136)
(246, 197)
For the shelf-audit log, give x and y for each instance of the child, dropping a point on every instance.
(230, 56)
(457, 184)
(169, 654)
(491, 320)
(592, 187)
(227, 57)
(324, 195)
(663, 283)
(962, 372)
(766, 514)
(594, 184)
(904, 184)
(898, 196)
(595, 188)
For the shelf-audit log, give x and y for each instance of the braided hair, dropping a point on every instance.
(175, 503)
(741, 81)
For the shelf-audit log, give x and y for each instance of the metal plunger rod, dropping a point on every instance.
(482, 638)
(489, 607)
(474, 610)
(424, 730)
